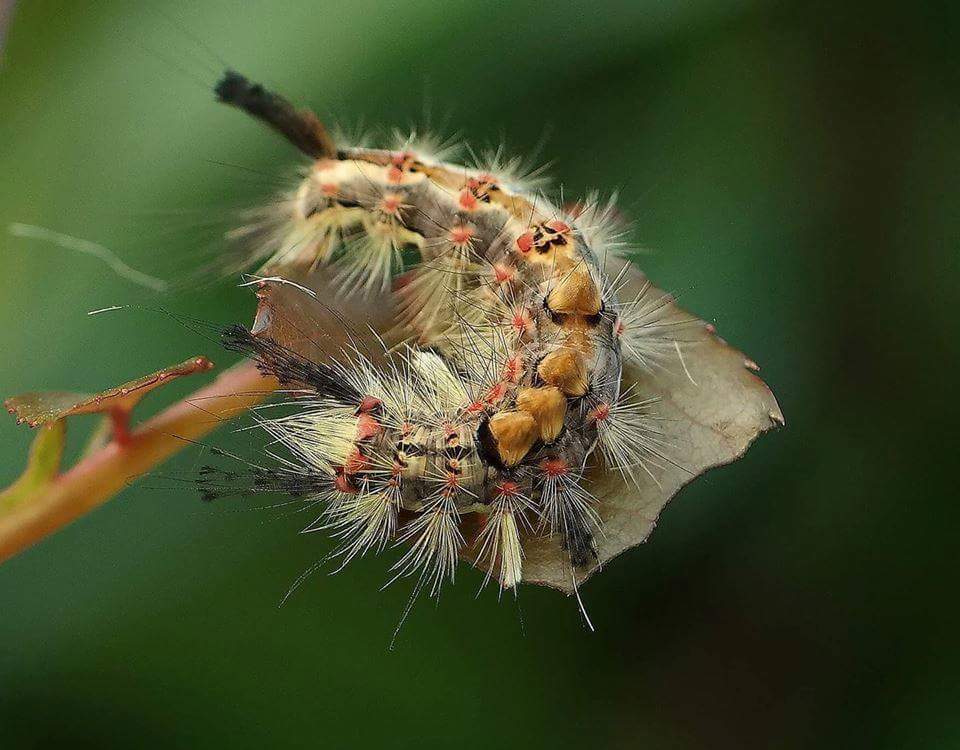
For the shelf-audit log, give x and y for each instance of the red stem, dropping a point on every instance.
(102, 474)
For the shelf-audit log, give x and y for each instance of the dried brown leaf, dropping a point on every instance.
(309, 314)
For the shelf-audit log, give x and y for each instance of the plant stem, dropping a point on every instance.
(101, 474)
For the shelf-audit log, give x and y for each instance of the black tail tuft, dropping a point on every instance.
(236, 89)
(301, 127)
(214, 483)
(289, 367)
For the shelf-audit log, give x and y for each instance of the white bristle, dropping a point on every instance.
(629, 437)
(499, 542)
(364, 521)
(321, 435)
(649, 333)
(566, 504)
(370, 259)
(435, 542)
(601, 226)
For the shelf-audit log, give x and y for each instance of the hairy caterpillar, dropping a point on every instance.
(506, 388)
(471, 370)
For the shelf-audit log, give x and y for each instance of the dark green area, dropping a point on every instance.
(794, 169)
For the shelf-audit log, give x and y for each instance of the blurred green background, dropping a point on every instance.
(793, 168)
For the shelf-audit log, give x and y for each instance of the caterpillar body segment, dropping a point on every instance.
(507, 376)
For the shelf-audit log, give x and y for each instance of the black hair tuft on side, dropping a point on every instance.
(214, 483)
(288, 367)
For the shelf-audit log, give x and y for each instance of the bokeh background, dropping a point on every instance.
(793, 169)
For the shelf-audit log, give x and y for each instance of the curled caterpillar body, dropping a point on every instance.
(505, 378)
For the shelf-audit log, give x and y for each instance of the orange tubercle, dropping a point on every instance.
(564, 369)
(515, 433)
(548, 406)
(575, 293)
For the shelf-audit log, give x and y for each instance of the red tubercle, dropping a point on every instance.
(461, 235)
(369, 404)
(391, 203)
(476, 408)
(502, 273)
(451, 483)
(356, 462)
(343, 484)
(559, 226)
(367, 427)
(619, 328)
(329, 189)
(555, 467)
(525, 242)
(513, 368)
(496, 393)
(600, 413)
(394, 174)
(507, 488)
(468, 201)
(521, 321)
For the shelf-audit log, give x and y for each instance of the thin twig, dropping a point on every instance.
(101, 474)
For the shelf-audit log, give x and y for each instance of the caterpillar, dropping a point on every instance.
(498, 388)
